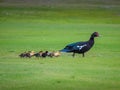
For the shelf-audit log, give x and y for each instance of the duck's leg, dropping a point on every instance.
(83, 54)
(73, 55)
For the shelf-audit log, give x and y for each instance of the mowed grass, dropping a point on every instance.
(44, 29)
(62, 15)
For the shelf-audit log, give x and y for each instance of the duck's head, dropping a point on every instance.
(95, 34)
(46, 52)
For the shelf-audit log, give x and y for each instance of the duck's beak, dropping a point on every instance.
(99, 35)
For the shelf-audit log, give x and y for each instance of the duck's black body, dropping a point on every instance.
(81, 47)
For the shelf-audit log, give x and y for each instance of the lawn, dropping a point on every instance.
(43, 28)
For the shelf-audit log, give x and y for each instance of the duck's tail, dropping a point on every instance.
(64, 50)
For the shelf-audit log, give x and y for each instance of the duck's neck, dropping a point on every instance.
(91, 41)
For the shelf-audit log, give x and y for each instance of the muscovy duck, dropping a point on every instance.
(81, 47)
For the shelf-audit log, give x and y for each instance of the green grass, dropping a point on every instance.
(60, 15)
(24, 29)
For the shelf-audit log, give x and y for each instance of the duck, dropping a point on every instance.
(22, 55)
(54, 53)
(81, 47)
(39, 54)
(28, 54)
(44, 54)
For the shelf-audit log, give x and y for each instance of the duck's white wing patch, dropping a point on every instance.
(80, 47)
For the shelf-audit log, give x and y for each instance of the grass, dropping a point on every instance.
(56, 15)
(41, 28)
